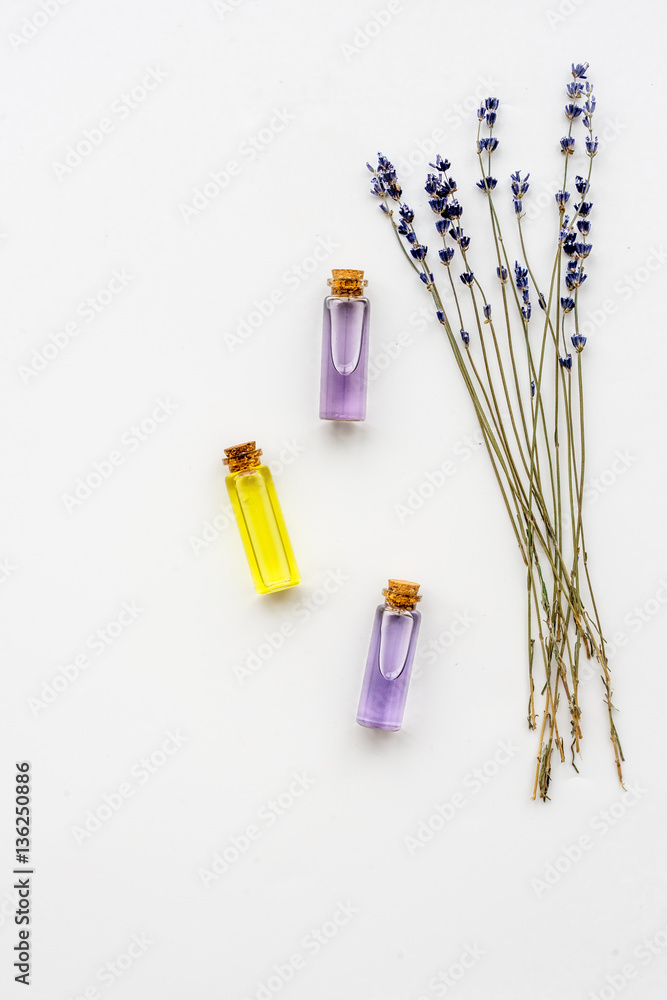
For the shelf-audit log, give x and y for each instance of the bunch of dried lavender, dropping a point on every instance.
(542, 393)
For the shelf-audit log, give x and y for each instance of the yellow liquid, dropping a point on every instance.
(263, 531)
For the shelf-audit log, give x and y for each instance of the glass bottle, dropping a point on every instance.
(390, 657)
(260, 520)
(345, 348)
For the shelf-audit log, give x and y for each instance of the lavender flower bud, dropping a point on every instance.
(519, 187)
(454, 210)
(440, 164)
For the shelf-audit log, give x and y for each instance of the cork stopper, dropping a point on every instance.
(346, 282)
(242, 456)
(401, 595)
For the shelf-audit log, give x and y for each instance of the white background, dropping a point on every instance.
(155, 532)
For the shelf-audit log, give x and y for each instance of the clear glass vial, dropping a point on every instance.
(344, 376)
(260, 520)
(390, 657)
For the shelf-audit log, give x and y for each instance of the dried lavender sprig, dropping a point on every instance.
(517, 205)
(385, 185)
(392, 189)
(432, 189)
(442, 189)
(467, 278)
(487, 184)
(575, 276)
(519, 188)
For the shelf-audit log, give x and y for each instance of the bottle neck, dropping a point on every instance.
(248, 471)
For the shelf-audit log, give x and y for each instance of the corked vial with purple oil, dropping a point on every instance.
(390, 657)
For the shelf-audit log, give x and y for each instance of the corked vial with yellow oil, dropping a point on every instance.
(260, 520)
(345, 334)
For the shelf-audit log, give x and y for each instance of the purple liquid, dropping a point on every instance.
(344, 358)
(392, 651)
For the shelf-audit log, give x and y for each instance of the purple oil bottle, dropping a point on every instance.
(344, 376)
(392, 651)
